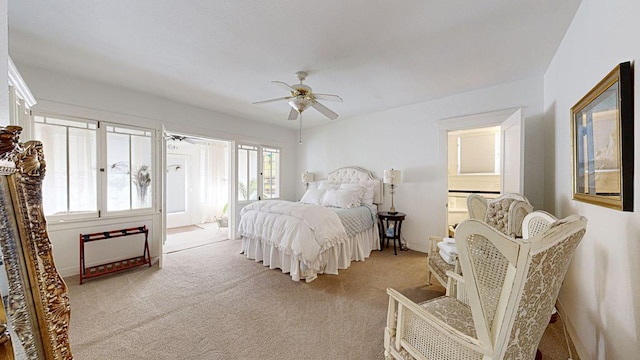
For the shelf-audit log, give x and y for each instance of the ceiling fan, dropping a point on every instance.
(302, 97)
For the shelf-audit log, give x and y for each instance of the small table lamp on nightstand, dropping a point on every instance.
(307, 177)
(392, 177)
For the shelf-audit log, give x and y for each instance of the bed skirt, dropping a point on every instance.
(355, 248)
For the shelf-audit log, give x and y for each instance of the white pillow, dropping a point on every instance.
(370, 193)
(327, 186)
(359, 189)
(341, 198)
(367, 188)
(313, 197)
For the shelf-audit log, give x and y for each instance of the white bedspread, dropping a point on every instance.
(299, 230)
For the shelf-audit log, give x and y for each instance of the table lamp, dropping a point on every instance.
(392, 177)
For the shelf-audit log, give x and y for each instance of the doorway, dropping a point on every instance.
(197, 192)
(473, 168)
(483, 154)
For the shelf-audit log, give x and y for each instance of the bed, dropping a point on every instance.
(322, 233)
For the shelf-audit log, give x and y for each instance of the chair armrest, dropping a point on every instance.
(455, 277)
(404, 305)
(433, 243)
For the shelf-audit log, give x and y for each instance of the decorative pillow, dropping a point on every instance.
(341, 198)
(369, 195)
(313, 197)
(370, 185)
(359, 189)
(323, 185)
(367, 187)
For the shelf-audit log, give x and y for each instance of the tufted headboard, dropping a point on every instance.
(356, 175)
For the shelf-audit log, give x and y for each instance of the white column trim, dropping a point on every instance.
(20, 87)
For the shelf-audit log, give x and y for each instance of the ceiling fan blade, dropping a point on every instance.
(327, 97)
(284, 85)
(273, 100)
(293, 114)
(324, 110)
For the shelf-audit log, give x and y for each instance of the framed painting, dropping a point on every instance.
(602, 136)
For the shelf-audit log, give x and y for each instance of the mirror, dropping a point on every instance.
(602, 128)
(37, 304)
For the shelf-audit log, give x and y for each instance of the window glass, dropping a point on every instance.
(247, 172)
(74, 170)
(82, 170)
(70, 150)
(258, 172)
(128, 170)
(271, 173)
(141, 167)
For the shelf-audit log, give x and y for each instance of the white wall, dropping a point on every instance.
(601, 295)
(4, 63)
(406, 138)
(68, 95)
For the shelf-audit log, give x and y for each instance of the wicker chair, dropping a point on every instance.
(512, 285)
(536, 222)
(505, 213)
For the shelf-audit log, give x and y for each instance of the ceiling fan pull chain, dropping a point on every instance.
(300, 134)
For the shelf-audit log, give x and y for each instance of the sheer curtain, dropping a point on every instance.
(71, 162)
(214, 180)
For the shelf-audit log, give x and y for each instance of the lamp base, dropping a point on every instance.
(392, 210)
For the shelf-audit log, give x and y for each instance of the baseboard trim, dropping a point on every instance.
(582, 351)
(418, 246)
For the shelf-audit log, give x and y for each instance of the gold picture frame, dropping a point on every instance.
(602, 139)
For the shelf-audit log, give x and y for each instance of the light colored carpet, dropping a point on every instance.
(182, 229)
(192, 236)
(211, 302)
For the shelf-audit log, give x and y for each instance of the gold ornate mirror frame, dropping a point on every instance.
(38, 303)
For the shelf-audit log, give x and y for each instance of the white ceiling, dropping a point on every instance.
(222, 54)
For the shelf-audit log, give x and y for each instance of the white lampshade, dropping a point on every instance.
(307, 177)
(391, 177)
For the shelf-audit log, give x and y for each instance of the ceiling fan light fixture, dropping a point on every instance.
(302, 97)
(300, 103)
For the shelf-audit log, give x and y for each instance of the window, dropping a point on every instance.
(475, 151)
(94, 168)
(247, 172)
(128, 168)
(70, 151)
(256, 178)
(271, 173)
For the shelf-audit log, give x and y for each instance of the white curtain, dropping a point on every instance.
(214, 180)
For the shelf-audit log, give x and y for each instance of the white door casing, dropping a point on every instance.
(512, 164)
(163, 195)
(512, 154)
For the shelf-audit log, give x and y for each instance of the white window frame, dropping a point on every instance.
(101, 178)
(83, 215)
(273, 150)
(102, 164)
(260, 166)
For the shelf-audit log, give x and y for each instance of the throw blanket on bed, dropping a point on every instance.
(357, 220)
(300, 230)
